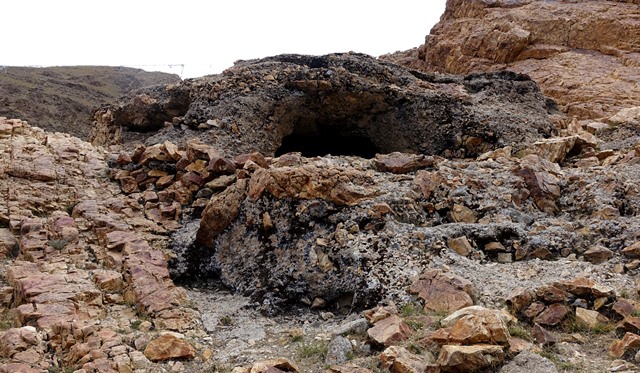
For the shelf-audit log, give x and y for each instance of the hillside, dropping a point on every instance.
(62, 98)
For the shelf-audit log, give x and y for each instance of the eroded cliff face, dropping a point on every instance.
(584, 54)
(343, 104)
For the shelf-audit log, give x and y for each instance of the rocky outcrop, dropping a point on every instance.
(581, 53)
(340, 104)
(87, 267)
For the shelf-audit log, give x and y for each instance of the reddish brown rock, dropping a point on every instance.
(428, 182)
(389, 331)
(401, 163)
(462, 214)
(552, 294)
(519, 299)
(110, 281)
(543, 187)
(460, 245)
(475, 324)
(598, 254)
(629, 324)
(376, 314)
(220, 212)
(443, 291)
(255, 157)
(629, 343)
(625, 307)
(16, 340)
(167, 347)
(469, 358)
(197, 150)
(553, 315)
(583, 286)
(400, 360)
(632, 251)
(274, 366)
(542, 335)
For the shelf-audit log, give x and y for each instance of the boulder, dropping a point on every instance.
(167, 347)
(475, 324)
(589, 318)
(389, 331)
(553, 315)
(442, 291)
(460, 359)
(400, 360)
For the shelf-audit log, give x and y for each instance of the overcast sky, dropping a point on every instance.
(205, 36)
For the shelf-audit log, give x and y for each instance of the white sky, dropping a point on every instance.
(204, 35)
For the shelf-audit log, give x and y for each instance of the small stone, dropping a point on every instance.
(632, 251)
(462, 214)
(476, 324)
(281, 364)
(625, 307)
(327, 315)
(598, 254)
(542, 335)
(318, 303)
(494, 246)
(460, 245)
(358, 326)
(207, 354)
(589, 319)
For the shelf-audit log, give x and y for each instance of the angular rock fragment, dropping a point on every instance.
(167, 347)
(389, 331)
(469, 358)
(400, 360)
(443, 291)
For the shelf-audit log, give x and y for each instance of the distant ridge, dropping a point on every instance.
(61, 98)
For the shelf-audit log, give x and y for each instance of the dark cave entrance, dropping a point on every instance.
(321, 144)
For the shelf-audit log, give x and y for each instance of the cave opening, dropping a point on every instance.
(321, 144)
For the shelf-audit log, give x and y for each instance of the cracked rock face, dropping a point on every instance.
(340, 104)
(584, 54)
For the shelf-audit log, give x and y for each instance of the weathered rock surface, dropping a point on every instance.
(582, 54)
(84, 260)
(343, 104)
(443, 291)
